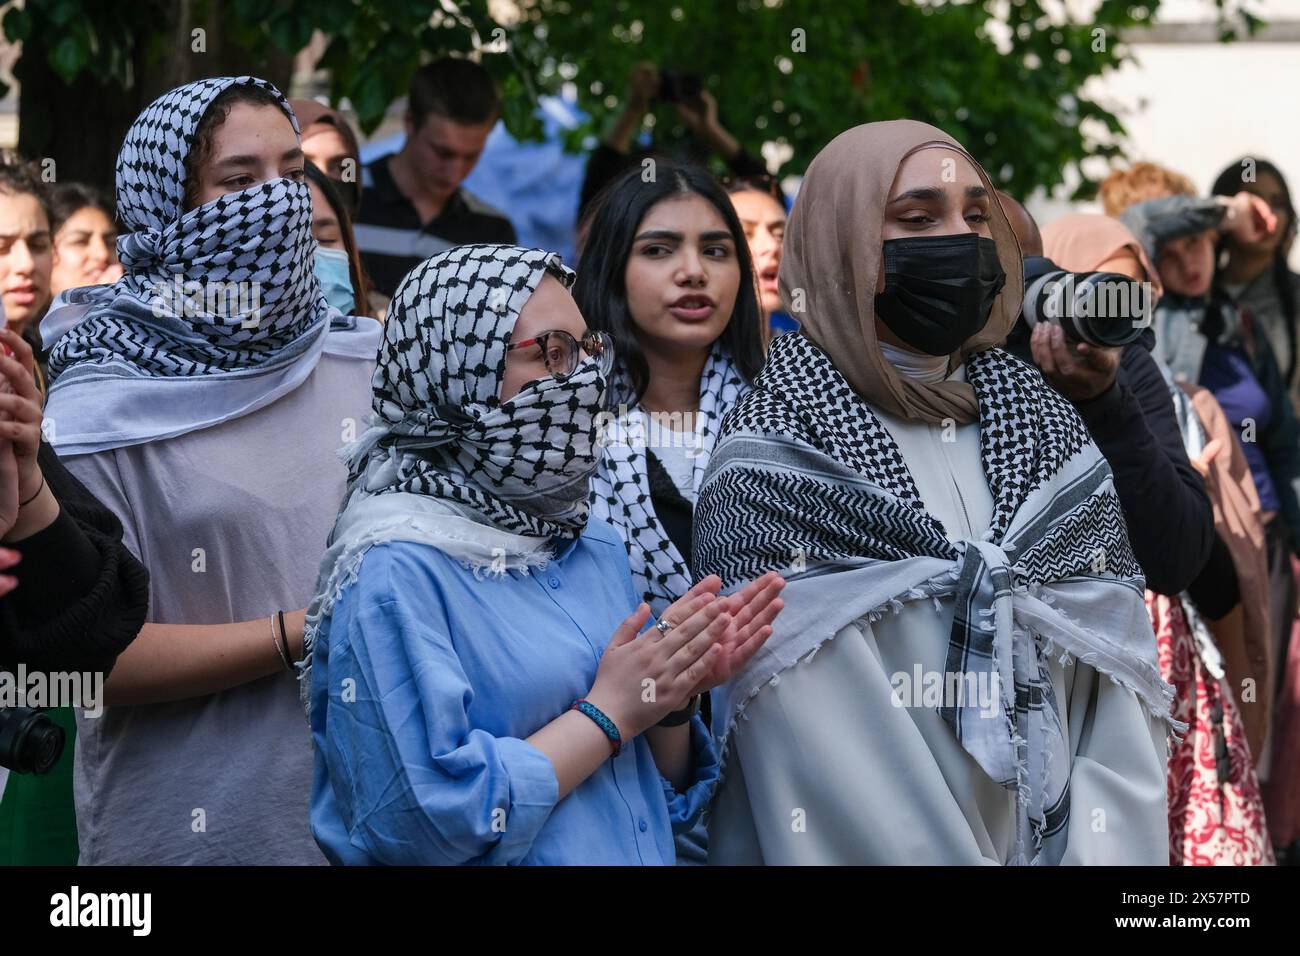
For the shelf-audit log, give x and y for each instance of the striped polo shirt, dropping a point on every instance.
(393, 241)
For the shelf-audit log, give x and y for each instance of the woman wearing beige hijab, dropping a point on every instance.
(964, 672)
(1219, 668)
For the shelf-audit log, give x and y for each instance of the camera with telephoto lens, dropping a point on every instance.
(1100, 308)
(30, 742)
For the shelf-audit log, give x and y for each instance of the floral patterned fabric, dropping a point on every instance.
(1216, 815)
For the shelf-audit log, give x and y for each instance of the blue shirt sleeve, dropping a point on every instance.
(684, 809)
(414, 782)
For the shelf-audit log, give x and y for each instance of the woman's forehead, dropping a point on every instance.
(252, 128)
(684, 213)
(549, 307)
(756, 206)
(935, 167)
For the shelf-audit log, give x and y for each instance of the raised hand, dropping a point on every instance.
(753, 609)
(8, 488)
(642, 679)
(8, 558)
(20, 410)
(1250, 217)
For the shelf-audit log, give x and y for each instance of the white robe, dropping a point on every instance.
(824, 768)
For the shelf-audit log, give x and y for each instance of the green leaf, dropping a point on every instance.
(66, 58)
(370, 98)
(17, 24)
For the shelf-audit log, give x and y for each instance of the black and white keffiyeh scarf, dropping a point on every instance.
(494, 485)
(807, 480)
(440, 429)
(219, 311)
(620, 489)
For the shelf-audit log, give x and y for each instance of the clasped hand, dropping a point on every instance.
(645, 676)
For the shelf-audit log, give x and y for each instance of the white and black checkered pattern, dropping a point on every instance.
(805, 468)
(1027, 432)
(257, 240)
(524, 464)
(620, 489)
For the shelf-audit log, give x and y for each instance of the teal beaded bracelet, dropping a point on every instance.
(604, 723)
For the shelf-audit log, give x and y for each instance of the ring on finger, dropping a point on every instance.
(663, 625)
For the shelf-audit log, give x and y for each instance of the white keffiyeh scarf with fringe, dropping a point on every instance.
(808, 481)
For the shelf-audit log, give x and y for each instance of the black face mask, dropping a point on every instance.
(939, 290)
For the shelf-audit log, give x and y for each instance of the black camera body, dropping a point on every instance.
(1101, 308)
(675, 87)
(29, 741)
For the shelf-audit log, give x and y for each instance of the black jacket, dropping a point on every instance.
(82, 596)
(1170, 521)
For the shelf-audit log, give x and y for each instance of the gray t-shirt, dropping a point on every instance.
(231, 522)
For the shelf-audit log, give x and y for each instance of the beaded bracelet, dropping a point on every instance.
(604, 723)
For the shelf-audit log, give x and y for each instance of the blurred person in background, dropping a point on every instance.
(761, 207)
(330, 144)
(26, 252)
(85, 238)
(1253, 270)
(648, 85)
(413, 205)
(337, 263)
(1206, 339)
(1216, 814)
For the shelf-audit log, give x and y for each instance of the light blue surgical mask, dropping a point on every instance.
(332, 270)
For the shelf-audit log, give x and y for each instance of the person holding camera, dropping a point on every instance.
(1121, 396)
(697, 108)
(1216, 813)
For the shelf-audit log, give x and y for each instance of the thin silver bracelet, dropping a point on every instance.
(284, 657)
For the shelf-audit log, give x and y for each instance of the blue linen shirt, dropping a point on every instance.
(425, 683)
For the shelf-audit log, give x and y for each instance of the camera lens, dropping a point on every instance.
(29, 741)
(1100, 308)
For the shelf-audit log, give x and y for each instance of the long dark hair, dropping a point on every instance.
(611, 224)
(68, 199)
(1229, 183)
(360, 287)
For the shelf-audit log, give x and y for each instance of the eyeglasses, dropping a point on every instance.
(560, 351)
